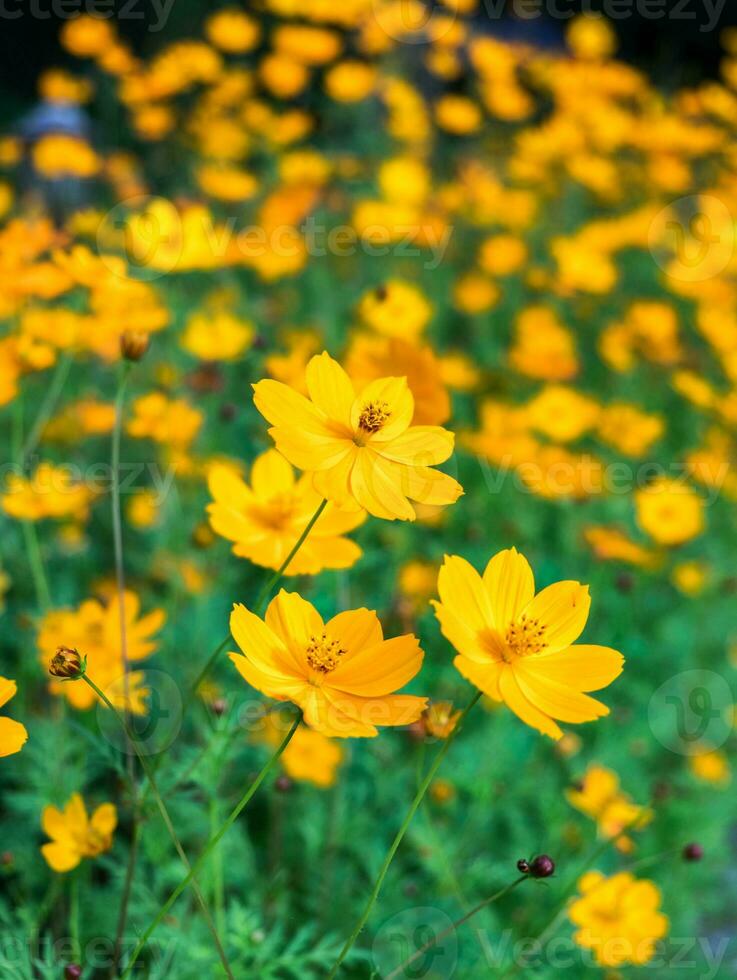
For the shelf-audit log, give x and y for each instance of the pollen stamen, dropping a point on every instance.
(373, 416)
(323, 654)
(526, 637)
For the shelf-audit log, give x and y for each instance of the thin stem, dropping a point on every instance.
(167, 823)
(47, 406)
(571, 886)
(399, 836)
(452, 928)
(74, 916)
(120, 598)
(258, 608)
(35, 560)
(210, 846)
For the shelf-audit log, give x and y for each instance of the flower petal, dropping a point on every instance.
(284, 407)
(375, 486)
(13, 736)
(260, 645)
(356, 629)
(60, 857)
(562, 609)
(330, 388)
(465, 640)
(105, 819)
(296, 622)
(483, 676)
(8, 690)
(420, 445)
(462, 591)
(557, 700)
(379, 670)
(585, 667)
(516, 701)
(271, 474)
(510, 584)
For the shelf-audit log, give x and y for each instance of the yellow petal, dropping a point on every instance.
(271, 474)
(331, 719)
(585, 667)
(515, 700)
(75, 813)
(510, 583)
(60, 858)
(428, 486)
(330, 388)
(465, 640)
(284, 407)
(420, 445)
(312, 452)
(276, 686)
(296, 622)
(356, 629)
(54, 823)
(555, 699)
(462, 591)
(375, 485)
(562, 609)
(483, 676)
(8, 690)
(378, 670)
(260, 645)
(13, 736)
(226, 487)
(105, 819)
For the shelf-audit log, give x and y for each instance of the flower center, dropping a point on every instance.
(525, 637)
(373, 416)
(277, 512)
(324, 653)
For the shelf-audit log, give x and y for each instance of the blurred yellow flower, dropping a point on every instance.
(711, 766)
(74, 835)
(265, 519)
(599, 796)
(217, 335)
(619, 918)
(670, 511)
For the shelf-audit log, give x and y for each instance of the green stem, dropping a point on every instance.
(258, 608)
(571, 886)
(35, 560)
(400, 970)
(210, 846)
(424, 785)
(74, 916)
(47, 406)
(167, 823)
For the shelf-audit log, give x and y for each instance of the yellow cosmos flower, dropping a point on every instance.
(265, 519)
(361, 449)
(49, 493)
(516, 646)
(74, 835)
(600, 797)
(710, 766)
(619, 918)
(342, 674)
(217, 336)
(669, 511)
(13, 735)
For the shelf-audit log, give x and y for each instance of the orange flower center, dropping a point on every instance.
(277, 513)
(373, 416)
(525, 637)
(324, 653)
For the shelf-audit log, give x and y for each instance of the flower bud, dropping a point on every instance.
(66, 664)
(72, 971)
(692, 852)
(542, 866)
(134, 344)
(283, 783)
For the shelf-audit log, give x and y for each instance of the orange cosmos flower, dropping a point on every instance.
(516, 646)
(266, 519)
(342, 674)
(361, 449)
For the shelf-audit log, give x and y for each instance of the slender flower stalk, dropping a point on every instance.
(263, 596)
(424, 785)
(400, 970)
(48, 406)
(570, 887)
(166, 818)
(209, 848)
(120, 598)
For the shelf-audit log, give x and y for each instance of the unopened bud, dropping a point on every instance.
(72, 971)
(692, 852)
(541, 866)
(66, 663)
(134, 344)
